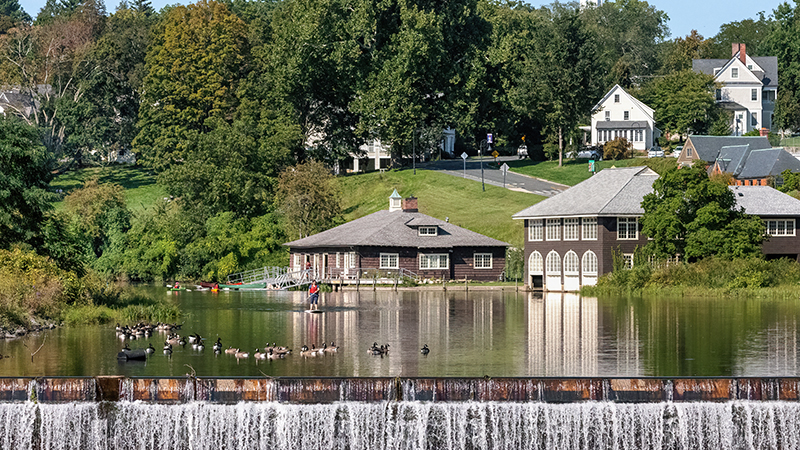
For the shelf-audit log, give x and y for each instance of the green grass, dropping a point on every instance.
(790, 142)
(141, 190)
(572, 172)
(440, 196)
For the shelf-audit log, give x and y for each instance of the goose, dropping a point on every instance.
(242, 355)
(199, 346)
(307, 352)
(231, 351)
(273, 355)
(425, 350)
(150, 349)
(331, 348)
(182, 342)
(258, 355)
(218, 345)
(167, 348)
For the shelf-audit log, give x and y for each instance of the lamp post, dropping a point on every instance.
(480, 158)
(414, 150)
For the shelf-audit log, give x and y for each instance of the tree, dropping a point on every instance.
(751, 32)
(561, 80)
(629, 33)
(618, 148)
(683, 101)
(100, 213)
(308, 199)
(678, 55)
(11, 15)
(24, 200)
(195, 63)
(784, 42)
(690, 215)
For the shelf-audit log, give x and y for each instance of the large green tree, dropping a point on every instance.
(197, 58)
(24, 179)
(752, 33)
(691, 216)
(308, 199)
(678, 54)
(683, 101)
(784, 42)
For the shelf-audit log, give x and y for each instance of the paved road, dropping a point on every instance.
(514, 181)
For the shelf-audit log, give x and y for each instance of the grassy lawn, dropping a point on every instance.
(440, 196)
(571, 173)
(141, 190)
(791, 142)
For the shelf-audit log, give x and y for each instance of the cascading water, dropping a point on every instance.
(400, 425)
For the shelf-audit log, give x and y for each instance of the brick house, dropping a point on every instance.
(400, 238)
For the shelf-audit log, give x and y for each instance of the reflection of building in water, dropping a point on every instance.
(562, 335)
(627, 343)
(773, 352)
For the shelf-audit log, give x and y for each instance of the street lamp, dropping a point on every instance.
(480, 157)
(414, 150)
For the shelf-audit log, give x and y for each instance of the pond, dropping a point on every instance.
(470, 334)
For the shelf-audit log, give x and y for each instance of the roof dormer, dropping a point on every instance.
(395, 202)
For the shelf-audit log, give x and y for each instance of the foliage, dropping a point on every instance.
(515, 263)
(24, 200)
(618, 148)
(721, 126)
(683, 101)
(791, 181)
(100, 214)
(196, 60)
(690, 215)
(681, 51)
(784, 42)
(308, 199)
(754, 33)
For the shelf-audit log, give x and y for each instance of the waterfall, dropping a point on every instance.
(400, 425)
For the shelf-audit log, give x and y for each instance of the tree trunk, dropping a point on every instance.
(560, 147)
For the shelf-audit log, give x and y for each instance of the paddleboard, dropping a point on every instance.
(315, 311)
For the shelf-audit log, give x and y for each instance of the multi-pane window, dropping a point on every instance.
(780, 227)
(434, 261)
(428, 231)
(296, 262)
(536, 264)
(337, 260)
(608, 115)
(589, 229)
(626, 115)
(627, 228)
(589, 263)
(616, 98)
(754, 95)
(753, 119)
(553, 227)
(390, 261)
(628, 259)
(535, 230)
(734, 72)
(483, 260)
(571, 263)
(639, 136)
(350, 260)
(553, 264)
(571, 229)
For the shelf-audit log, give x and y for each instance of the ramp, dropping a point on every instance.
(278, 278)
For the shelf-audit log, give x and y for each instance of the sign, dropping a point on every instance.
(464, 156)
(591, 166)
(495, 154)
(490, 138)
(504, 168)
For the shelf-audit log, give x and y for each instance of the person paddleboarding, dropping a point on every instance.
(313, 295)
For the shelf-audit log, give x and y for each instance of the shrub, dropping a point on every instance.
(618, 148)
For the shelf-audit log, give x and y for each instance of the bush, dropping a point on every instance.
(617, 149)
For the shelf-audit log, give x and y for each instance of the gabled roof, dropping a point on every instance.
(731, 158)
(764, 201)
(391, 229)
(768, 63)
(645, 109)
(708, 147)
(768, 162)
(611, 192)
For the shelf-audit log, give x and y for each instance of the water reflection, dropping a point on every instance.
(472, 333)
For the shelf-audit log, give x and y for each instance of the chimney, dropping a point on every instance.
(741, 49)
(410, 204)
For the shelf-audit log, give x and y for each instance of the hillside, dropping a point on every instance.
(440, 196)
(141, 190)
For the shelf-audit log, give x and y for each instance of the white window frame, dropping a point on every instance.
(628, 258)
(572, 228)
(428, 231)
(754, 95)
(608, 115)
(553, 230)
(389, 261)
(753, 119)
(482, 260)
(589, 263)
(535, 230)
(627, 222)
(589, 228)
(552, 264)
(337, 260)
(616, 98)
(626, 115)
(734, 72)
(780, 227)
(571, 264)
(296, 262)
(441, 260)
(536, 263)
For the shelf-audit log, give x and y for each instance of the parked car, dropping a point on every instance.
(655, 152)
(677, 151)
(522, 151)
(591, 153)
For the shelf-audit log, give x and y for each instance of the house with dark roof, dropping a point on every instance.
(707, 148)
(754, 167)
(400, 239)
(571, 237)
(749, 87)
(619, 114)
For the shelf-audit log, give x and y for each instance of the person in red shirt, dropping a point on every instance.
(313, 295)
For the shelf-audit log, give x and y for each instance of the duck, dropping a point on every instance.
(425, 350)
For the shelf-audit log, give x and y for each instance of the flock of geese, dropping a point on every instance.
(270, 351)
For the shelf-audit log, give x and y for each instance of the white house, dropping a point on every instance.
(587, 3)
(375, 156)
(619, 114)
(749, 87)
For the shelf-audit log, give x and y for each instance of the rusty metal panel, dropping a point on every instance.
(454, 389)
(636, 390)
(788, 389)
(108, 388)
(699, 389)
(419, 389)
(56, 390)
(311, 390)
(161, 390)
(369, 389)
(15, 389)
(507, 390)
(570, 390)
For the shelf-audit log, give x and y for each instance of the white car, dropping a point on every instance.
(655, 152)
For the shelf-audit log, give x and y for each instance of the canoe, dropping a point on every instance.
(177, 289)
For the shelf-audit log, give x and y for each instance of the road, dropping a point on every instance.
(513, 181)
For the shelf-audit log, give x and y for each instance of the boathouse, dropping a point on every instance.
(571, 237)
(400, 241)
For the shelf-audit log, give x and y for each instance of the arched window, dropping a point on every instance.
(536, 264)
(589, 263)
(571, 263)
(553, 264)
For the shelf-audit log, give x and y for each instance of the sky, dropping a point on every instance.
(705, 16)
